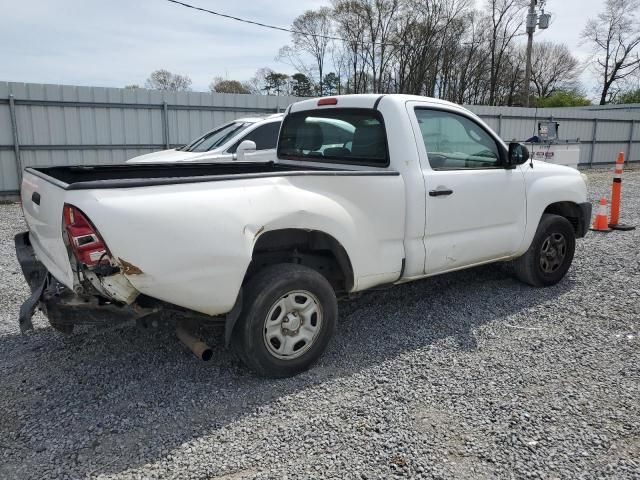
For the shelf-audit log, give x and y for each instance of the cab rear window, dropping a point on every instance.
(354, 136)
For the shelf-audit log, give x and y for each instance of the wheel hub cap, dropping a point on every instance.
(292, 321)
(553, 252)
(292, 324)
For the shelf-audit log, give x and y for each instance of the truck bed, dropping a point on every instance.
(189, 229)
(82, 177)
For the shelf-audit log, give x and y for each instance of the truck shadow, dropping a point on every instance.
(131, 397)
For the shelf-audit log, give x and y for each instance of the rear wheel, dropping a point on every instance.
(289, 315)
(550, 255)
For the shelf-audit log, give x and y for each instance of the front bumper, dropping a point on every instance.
(585, 218)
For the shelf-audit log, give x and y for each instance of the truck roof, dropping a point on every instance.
(368, 100)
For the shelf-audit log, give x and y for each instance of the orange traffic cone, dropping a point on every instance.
(600, 224)
(616, 191)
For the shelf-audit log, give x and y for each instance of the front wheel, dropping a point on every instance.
(289, 314)
(549, 257)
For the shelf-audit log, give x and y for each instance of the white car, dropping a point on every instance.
(251, 139)
(367, 191)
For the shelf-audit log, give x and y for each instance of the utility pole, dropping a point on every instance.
(532, 19)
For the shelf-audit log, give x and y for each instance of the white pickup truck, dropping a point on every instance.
(367, 190)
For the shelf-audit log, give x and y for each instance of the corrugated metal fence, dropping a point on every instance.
(62, 125)
(68, 125)
(602, 133)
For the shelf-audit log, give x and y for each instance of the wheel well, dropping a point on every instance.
(311, 248)
(568, 210)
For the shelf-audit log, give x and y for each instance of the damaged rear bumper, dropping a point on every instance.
(60, 304)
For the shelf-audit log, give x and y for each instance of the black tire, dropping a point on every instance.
(540, 269)
(261, 297)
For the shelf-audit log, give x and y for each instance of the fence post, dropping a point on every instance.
(165, 125)
(16, 138)
(630, 145)
(500, 125)
(593, 140)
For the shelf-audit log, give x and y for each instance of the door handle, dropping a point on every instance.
(439, 193)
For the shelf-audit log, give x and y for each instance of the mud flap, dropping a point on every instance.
(232, 318)
(28, 308)
(35, 275)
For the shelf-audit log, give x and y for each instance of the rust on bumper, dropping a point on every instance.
(129, 268)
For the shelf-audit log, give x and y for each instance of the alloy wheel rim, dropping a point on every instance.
(553, 252)
(292, 324)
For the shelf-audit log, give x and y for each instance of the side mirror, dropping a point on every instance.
(518, 154)
(246, 146)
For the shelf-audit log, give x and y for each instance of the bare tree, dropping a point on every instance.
(615, 37)
(471, 68)
(512, 79)
(379, 16)
(452, 26)
(351, 24)
(418, 26)
(312, 30)
(428, 48)
(553, 67)
(340, 63)
(505, 19)
(299, 61)
(165, 80)
(443, 48)
(258, 82)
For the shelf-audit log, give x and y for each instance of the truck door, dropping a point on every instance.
(475, 207)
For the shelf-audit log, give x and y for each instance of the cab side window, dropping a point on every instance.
(454, 142)
(265, 136)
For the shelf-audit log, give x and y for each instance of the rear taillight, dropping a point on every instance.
(84, 240)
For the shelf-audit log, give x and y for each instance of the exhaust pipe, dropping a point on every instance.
(197, 346)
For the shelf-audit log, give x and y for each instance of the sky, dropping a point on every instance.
(118, 42)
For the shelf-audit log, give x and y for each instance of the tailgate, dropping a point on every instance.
(42, 203)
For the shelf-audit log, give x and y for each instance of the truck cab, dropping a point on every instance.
(469, 198)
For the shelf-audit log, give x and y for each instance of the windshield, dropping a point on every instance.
(215, 138)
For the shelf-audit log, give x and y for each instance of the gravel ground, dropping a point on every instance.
(468, 375)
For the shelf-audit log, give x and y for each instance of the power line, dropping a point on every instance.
(306, 34)
(289, 30)
(259, 24)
